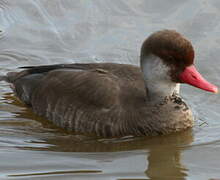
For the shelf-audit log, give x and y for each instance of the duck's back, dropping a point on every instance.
(103, 99)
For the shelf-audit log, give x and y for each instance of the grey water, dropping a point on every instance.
(36, 32)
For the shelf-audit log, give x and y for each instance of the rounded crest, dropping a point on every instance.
(172, 47)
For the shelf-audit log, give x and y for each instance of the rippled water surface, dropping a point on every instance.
(34, 32)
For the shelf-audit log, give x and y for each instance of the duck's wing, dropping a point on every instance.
(65, 76)
(81, 97)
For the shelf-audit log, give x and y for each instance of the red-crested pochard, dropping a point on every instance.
(108, 99)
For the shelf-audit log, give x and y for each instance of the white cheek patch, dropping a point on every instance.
(157, 77)
(154, 68)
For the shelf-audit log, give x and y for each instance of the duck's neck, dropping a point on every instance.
(157, 78)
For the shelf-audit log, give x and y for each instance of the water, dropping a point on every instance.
(34, 32)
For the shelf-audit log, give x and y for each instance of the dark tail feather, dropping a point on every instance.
(46, 68)
(3, 78)
(10, 77)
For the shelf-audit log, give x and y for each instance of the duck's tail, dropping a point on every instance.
(9, 77)
(3, 78)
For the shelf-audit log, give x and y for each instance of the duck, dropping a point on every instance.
(112, 99)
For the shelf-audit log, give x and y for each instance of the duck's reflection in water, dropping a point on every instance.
(162, 154)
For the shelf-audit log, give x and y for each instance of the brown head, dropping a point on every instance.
(177, 53)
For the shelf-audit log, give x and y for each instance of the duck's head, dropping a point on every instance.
(167, 58)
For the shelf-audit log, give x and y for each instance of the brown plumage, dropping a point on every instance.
(107, 99)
